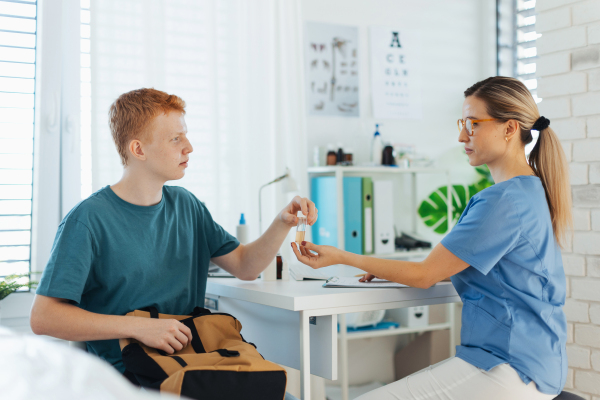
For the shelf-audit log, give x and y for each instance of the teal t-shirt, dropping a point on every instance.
(112, 257)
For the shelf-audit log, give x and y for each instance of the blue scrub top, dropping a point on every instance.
(514, 289)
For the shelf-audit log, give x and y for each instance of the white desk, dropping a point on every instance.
(277, 316)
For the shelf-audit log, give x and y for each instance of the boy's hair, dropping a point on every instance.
(132, 112)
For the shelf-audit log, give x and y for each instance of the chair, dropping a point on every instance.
(568, 396)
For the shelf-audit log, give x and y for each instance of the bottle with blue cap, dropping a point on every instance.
(376, 147)
(242, 231)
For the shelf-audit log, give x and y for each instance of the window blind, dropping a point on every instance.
(517, 37)
(17, 106)
(182, 47)
(86, 101)
(516, 40)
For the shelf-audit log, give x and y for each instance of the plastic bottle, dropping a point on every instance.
(242, 231)
(340, 154)
(331, 155)
(376, 147)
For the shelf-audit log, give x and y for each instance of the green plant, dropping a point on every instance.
(10, 285)
(433, 210)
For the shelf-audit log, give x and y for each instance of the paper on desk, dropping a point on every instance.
(352, 282)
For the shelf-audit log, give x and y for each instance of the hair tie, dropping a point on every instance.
(541, 124)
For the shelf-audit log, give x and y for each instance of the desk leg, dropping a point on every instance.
(344, 356)
(304, 356)
(451, 310)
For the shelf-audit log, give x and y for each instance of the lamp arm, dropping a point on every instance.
(282, 177)
(260, 206)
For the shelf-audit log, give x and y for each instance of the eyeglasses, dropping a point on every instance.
(469, 124)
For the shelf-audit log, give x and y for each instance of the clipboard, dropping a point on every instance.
(352, 282)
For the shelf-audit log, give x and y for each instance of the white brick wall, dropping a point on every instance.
(586, 104)
(594, 34)
(557, 85)
(579, 357)
(596, 220)
(569, 128)
(562, 39)
(587, 150)
(555, 63)
(579, 174)
(593, 266)
(568, 68)
(593, 127)
(594, 173)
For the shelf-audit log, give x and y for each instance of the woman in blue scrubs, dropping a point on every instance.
(503, 257)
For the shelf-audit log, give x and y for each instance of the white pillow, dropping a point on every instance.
(32, 367)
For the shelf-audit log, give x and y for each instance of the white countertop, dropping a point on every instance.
(311, 295)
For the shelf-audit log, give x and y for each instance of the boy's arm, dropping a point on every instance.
(248, 261)
(59, 318)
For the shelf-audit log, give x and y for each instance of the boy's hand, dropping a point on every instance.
(326, 255)
(288, 214)
(168, 335)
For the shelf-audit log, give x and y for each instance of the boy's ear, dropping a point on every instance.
(136, 150)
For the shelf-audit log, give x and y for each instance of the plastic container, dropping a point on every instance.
(300, 228)
(376, 147)
(241, 231)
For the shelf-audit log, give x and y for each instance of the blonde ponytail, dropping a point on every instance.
(508, 98)
(548, 161)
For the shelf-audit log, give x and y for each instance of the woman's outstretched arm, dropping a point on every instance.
(439, 265)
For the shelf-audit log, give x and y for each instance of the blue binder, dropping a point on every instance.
(324, 195)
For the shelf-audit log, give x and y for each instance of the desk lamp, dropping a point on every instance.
(290, 186)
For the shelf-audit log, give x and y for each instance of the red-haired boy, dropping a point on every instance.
(139, 243)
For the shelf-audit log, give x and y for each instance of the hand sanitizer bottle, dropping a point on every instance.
(376, 147)
(242, 231)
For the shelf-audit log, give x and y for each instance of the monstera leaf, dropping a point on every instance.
(433, 210)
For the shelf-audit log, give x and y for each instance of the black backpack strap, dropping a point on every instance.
(131, 378)
(227, 353)
(199, 311)
(196, 341)
(152, 310)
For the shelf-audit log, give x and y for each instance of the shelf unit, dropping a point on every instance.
(340, 171)
(344, 336)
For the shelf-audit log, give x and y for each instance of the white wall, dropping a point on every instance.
(459, 49)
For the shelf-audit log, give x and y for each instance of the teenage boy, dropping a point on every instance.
(139, 243)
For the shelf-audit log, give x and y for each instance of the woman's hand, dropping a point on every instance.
(326, 255)
(288, 214)
(367, 278)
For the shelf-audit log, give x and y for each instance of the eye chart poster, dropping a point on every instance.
(331, 54)
(395, 73)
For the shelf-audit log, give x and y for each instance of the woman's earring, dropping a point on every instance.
(506, 139)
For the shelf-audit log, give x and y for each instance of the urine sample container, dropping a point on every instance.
(300, 229)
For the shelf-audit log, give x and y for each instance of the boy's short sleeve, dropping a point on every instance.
(70, 262)
(487, 230)
(219, 241)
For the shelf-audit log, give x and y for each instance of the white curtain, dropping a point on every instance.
(238, 65)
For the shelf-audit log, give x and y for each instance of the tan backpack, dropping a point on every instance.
(217, 364)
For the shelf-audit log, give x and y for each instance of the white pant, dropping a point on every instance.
(456, 379)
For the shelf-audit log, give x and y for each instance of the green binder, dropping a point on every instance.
(367, 215)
